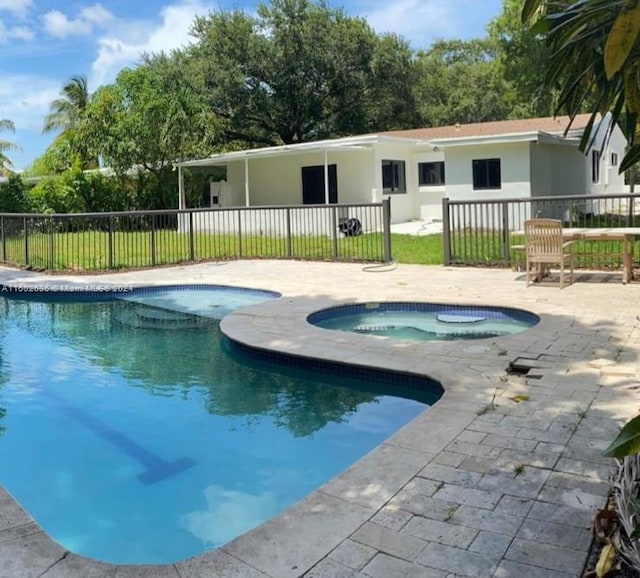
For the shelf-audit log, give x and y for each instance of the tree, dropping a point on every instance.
(5, 161)
(66, 111)
(58, 158)
(460, 82)
(13, 196)
(66, 115)
(594, 60)
(300, 71)
(151, 118)
(522, 55)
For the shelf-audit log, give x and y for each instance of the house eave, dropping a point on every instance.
(535, 137)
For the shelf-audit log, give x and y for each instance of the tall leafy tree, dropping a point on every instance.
(461, 82)
(66, 111)
(5, 162)
(522, 54)
(150, 118)
(298, 71)
(65, 116)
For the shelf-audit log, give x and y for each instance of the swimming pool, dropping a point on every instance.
(425, 321)
(133, 432)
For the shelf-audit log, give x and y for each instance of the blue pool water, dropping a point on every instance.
(133, 432)
(425, 321)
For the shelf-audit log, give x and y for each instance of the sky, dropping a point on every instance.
(43, 43)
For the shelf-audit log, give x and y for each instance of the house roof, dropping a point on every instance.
(550, 125)
(551, 128)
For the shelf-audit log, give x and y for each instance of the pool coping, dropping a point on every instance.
(294, 542)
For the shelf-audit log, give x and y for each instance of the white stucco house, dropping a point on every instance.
(416, 168)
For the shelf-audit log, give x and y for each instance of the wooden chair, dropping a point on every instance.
(545, 247)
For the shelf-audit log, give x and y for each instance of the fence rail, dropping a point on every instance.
(136, 239)
(490, 231)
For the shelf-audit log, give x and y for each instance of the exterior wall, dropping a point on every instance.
(569, 171)
(514, 168)
(429, 198)
(294, 221)
(278, 180)
(404, 206)
(612, 182)
(541, 171)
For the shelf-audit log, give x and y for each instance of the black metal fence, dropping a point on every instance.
(105, 241)
(491, 231)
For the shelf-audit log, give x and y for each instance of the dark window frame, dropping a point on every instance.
(595, 167)
(394, 179)
(433, 169)
(487, 174)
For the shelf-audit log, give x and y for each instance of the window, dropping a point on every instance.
(486, 174)
(595, 166)
(614, 160)
(431, 174)
(393, 180)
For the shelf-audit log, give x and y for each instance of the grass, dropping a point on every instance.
(98, 250)
(417, 250)
(93, 251)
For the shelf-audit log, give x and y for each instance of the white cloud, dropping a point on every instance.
(118, 51)
(16, 7)
(25, 99)
(96, 14)
(57, 24)
(14, 32)
(22, 33)
(408, 17)
(61, 26)
(421, 22)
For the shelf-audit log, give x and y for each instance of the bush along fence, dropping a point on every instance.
(491, 232)
(136, 239)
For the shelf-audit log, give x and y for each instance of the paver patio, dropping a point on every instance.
(479, 485)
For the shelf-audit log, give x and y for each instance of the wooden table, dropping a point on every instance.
(627, 235)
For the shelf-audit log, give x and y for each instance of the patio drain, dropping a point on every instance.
(526, 366)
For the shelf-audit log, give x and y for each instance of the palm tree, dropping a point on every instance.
(5, 161)
(595, 60)
(66, 115)
(66, 111)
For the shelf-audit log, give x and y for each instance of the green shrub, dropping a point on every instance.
(13, 196)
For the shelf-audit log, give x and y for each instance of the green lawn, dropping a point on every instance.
(97, 250)
(418, 250)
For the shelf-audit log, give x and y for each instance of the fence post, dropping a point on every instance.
(110, 242)
(4, 242)
(240, 233)
(386, 230)
(289, 247)
(334, 232)
(446, 231)
(505, 232)
(192, 249)
(26, 241)
(153, 240)
(631, 211)
(51, 244)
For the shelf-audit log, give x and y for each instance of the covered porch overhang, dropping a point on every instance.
(327, 147)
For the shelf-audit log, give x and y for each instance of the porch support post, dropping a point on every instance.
(246, 181)
(326, 177)
(182, 204)
(377, 194)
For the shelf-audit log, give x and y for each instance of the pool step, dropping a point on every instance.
(145, 317)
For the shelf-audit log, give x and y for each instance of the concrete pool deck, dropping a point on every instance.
(483, 484)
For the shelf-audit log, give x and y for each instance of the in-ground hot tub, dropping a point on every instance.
(425, 321)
